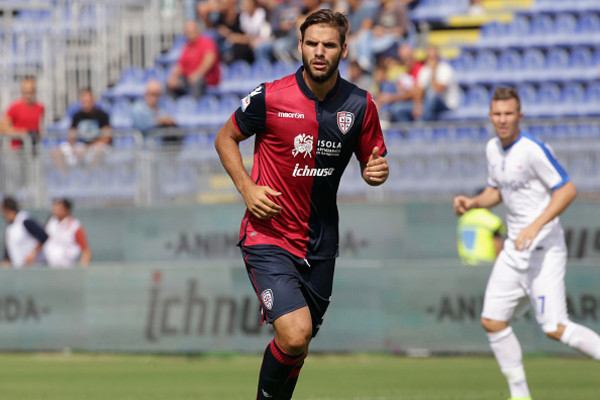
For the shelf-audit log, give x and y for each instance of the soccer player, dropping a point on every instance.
(307, 126)
(523, 172)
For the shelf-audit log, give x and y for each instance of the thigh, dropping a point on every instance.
(546, 277)
(317, 286)
(274, 277)
(505, 294)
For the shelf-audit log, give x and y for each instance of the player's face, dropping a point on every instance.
(321, 52)
(505, 117)
(59, 210)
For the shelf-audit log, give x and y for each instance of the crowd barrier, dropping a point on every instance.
(406, 307)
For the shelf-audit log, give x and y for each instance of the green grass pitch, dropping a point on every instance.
(325, 377)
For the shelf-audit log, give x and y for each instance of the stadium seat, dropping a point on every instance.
(532, 63)
(556, 64)
(131, 85)
(588, 28)
(581, 64)
(591, 106)
(491, 34)
(540, 31)
(509, 67)
(120, 114)
(186, 111)
(528, 96)
(564, 31)
(207, 109)
(546, 102)
(572, 99)
(484, 65)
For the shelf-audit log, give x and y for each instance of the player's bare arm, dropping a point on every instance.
(257, 198)
(561, 198)
(375, 171)
(490, 197)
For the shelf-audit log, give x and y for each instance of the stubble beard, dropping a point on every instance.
(324, 77)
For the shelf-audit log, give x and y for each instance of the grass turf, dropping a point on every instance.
(343, 377)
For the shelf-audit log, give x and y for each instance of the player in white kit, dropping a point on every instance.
(524, 174)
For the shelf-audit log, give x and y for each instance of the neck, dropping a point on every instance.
(320, 89)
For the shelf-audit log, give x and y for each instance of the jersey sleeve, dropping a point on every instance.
(371, 134)
(35, 230)
(547, 168)
(251, 116)
(81, 239)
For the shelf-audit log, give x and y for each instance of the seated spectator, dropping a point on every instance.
(89, 136)
(438, 89)
(147, 114)
(253, 21)
(67, 243)
(476, 8)
(283, 27)
(198, 65)
(23, 236)
(389, 30)
(359, 77)
(24, 116)
(234, 43)
(399, 103)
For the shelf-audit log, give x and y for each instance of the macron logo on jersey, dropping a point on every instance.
(290, 115)
(303, 144)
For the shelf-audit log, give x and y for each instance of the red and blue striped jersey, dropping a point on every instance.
(302, 146)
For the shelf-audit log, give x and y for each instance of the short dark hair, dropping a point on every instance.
(10, 203)
(68, 204)
(507, 93)
(328, 17)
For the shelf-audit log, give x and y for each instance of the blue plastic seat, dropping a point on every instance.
(509, 63)
(564, 32)
(581, 64)
(540, 32)
(557, 63)
(484, 65)
(588, 28)
(592, 100)
(532, 62)
(546, 103)
(572, 99)
(186, 111)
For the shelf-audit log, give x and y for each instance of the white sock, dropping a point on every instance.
(509, 355)
(583, 339)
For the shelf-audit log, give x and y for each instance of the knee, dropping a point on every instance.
(295, 341)
(492, 326)
(557, 334)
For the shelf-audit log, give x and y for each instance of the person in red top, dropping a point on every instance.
(400, 103)
(307, 127)
(24, 116)
(198, 65)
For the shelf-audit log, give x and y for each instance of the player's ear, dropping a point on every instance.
(345, 50)
(300, 46)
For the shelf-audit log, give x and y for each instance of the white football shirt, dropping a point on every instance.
(526, 173)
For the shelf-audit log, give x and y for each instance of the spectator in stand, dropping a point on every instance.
(283, 27)
(67, 243)
(399, 104)
(390, 28)
(198, 65)
(234, 43)
(476, 8)
(147, 114)
(90, 135)
(437, 87)
(359, 77)
(23, 237)
(253, 21)
(24, 116)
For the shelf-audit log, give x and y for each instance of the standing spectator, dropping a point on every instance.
(234, 43)
(198, 65)
(24, 116)
(23, 237)
(437, 87)
(89, 136)
(66, 238)
(289, 233)
(147, 114)
(400, 103)
(389, 29)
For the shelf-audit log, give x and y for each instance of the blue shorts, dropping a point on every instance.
(285, 283)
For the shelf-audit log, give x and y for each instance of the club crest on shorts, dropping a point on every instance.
(345, 120)
(267, 298)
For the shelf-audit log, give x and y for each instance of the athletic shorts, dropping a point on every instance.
(285, 283)
(511, 289)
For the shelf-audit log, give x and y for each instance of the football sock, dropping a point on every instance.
(277, 366)
(507, 351)
(290, 385)
(582, 338)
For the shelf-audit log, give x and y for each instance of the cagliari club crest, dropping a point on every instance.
(345, 120)
(267, 298)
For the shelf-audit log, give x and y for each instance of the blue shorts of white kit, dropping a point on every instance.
(534, 277)
(285, 283)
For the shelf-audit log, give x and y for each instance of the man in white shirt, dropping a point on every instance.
(23, 237)
(438, 89)
(67, 241)
(523, 172)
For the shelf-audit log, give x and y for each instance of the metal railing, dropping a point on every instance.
(181, 166)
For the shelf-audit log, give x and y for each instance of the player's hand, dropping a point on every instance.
(257, 199)
(30, 258)
(376, 171)
(527, 236)
(462, 204)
